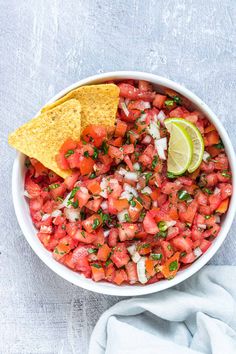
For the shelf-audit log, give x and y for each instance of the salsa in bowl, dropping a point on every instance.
(123, 222)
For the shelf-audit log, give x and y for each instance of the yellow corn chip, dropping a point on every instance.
(43, 136)
(98, 104)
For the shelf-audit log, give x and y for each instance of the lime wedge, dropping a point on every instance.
(180, 149)
(196, 137)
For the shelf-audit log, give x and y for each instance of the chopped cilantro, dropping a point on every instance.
(73, 192)
(95, 265)
(162, 226)
(169, 103)
(177, 99)
(182, 254)
(54, 185)
(127, 218)
(27, 163)
(95, 153)
(69, 153)
(108, 262)
(92, 175)
(226, 174)
(92, 250)
(183, 195)
(96, 223)
(207, 190)
(220, 145)
(148, 175)
(132, 202)
(170, 175)
(74, 204)
(104, 148)
(207, 217)
(86, 154)
(156, 256)
(154, 162)
(173, 266)
(59, 199)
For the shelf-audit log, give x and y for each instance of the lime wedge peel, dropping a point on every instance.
(180, 150)
(196, 137)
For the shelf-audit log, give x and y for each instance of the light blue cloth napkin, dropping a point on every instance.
(197, 316)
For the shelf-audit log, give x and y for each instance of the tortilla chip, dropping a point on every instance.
(42, 137)
(98, 104)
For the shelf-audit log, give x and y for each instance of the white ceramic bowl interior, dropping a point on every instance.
(25, 222)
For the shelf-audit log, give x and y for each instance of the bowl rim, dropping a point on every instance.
(127, 290)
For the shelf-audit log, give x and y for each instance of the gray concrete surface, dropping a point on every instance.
(47, 45)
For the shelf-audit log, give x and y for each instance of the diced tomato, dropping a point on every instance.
(223, 207)
(182, 244)
(127, 231)
(225, 190)
(114, 152)
(116, 142)
(98, 272)
(84, 237)
(94, 204)
(82, 196)
(120, 256)
(36, 204)
(94, 187)
(69, 144)
(86, 165)
(121, 204)
(214, 200)
(121, 128)
(95, 134)
(70, 180)
(71, 228)
(159, 100)
(62, 161)
(144, 85)
(171, 266)
(149, 224)
(120, 277)
(150, 267)
(103, 253)
(131, 270)
(129, 91)
(92, 223)
(167, 249)
(32, 188)
(134, 211)
(113, 237)
(57, 189)
(173, 231)
(212, 138)
(188, 258)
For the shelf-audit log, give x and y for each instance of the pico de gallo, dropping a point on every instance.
(121, 217)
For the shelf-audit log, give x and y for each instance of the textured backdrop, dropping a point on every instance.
(44, 47)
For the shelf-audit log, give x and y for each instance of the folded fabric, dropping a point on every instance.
(197, 316)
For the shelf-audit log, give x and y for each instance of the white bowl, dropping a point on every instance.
(28, 229)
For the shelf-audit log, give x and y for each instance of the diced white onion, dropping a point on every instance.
(145, 105)
(26, 194)
(202, 226)
(131, 249)
(142, 117)
(126, 195)
(141, 270)
(146, 190)
(125, 109)
(127, 101)
(65, 201)
(121, 215)
(216, 190)
(104, 185)
(154, 204)
(217, 219)
(189, 200)
(72, 214)
(104, 205)
(122, 171)
(197, 252)
(46, 229)
(45, 217)
(161, 117)
(147, 140)
(136, 257)
(206, 156)
(153, 130)
(132, 176)
(136, 166)
(130, 189)
(138, 187)
(56, 213)
(106, 233)
(170, 223)
(161, 146)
